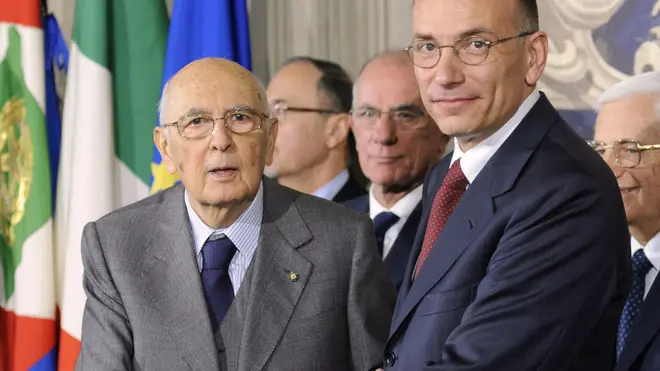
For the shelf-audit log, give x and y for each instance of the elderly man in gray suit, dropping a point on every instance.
(230, 271)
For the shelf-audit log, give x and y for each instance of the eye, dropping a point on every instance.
(238, 116)
(425, 47)
(405, 115)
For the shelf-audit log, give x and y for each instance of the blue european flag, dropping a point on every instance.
(199, 29)
(56, 54)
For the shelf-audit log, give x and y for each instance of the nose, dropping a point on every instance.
(220, 138)
(449, 70)
(384, 131)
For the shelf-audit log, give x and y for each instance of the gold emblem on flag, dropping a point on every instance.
(16, 163)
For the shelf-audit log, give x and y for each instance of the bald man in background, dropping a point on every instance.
(397, 143)
(314, 151)
(161, 275)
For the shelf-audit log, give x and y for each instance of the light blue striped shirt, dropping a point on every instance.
(244, 233)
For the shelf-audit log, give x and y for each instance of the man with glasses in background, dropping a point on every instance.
(522, 257)
(315, 149)
(627, 135)
(228, 270)
(397, 143)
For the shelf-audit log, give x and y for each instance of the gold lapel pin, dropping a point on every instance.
(293, 276)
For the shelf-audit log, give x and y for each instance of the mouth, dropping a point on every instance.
(453, 102)
(222, 172)
(385, 159)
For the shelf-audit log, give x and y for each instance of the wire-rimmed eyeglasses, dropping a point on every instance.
(280, 110)
(238, 121)
(470, 50)
(405, 118)
(627, 152)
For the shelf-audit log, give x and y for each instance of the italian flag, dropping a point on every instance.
(110, 109)
(27, 273)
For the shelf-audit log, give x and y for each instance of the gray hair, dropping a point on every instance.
(644, 83)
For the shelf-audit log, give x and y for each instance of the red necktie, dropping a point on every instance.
(450, 192)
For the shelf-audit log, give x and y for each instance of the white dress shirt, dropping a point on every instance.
(244, 233)
(652, 252)
(330, 189)
(403, 208)
(474, 160)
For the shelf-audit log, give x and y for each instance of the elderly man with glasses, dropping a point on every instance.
(520, 259)
(397, 143)
(627, 135)
(227, 270)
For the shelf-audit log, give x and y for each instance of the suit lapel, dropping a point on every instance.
(177, 289)
(472, 213)
(645, 328)
(433, 182)
(397, 259)
(475, 208)
(280, 276)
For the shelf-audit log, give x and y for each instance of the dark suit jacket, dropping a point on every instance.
(145, 306)
(531, 270)
(397, 259)
(642, 350)
(352, 189)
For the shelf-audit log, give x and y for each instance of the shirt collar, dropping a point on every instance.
(474, 160)
(244, 232)
(403, 208)
(651, 250)
(329, 190)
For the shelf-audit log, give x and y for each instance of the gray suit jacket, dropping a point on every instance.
(145, 306)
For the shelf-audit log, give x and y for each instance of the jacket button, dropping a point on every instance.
(390, 359)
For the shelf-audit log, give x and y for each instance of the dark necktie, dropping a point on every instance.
(383, 222)
(450, 192)
(219, 292)
(641, 266)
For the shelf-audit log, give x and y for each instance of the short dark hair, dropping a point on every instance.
(337, 87)
(335, 83)
(530, 15)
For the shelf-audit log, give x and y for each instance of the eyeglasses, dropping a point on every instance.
(238, 121)
(471, 50)
(404, 118)
(280, 110)
(627, 152)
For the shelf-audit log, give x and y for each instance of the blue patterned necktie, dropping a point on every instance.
(218, 290)
(641, 266)
(383, 222)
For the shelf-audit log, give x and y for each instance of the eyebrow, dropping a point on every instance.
(196, 111)
(471, 32)
(409, 106)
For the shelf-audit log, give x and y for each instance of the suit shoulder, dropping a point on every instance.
(359, 204)
(128, 213)
(565, 156)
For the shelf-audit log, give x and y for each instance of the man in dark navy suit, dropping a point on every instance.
(627, 135)
(522, 260)
(397, 143)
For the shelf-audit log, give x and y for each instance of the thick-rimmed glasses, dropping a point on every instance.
(627, 152)
(238, 121)
(280, 110)
(470, 50)
(404, 118)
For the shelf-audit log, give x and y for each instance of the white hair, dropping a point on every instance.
(644, 83)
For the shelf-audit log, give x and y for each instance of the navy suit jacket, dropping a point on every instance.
(532, 269)
(642, 350)
(396, 260)
(349, 191)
